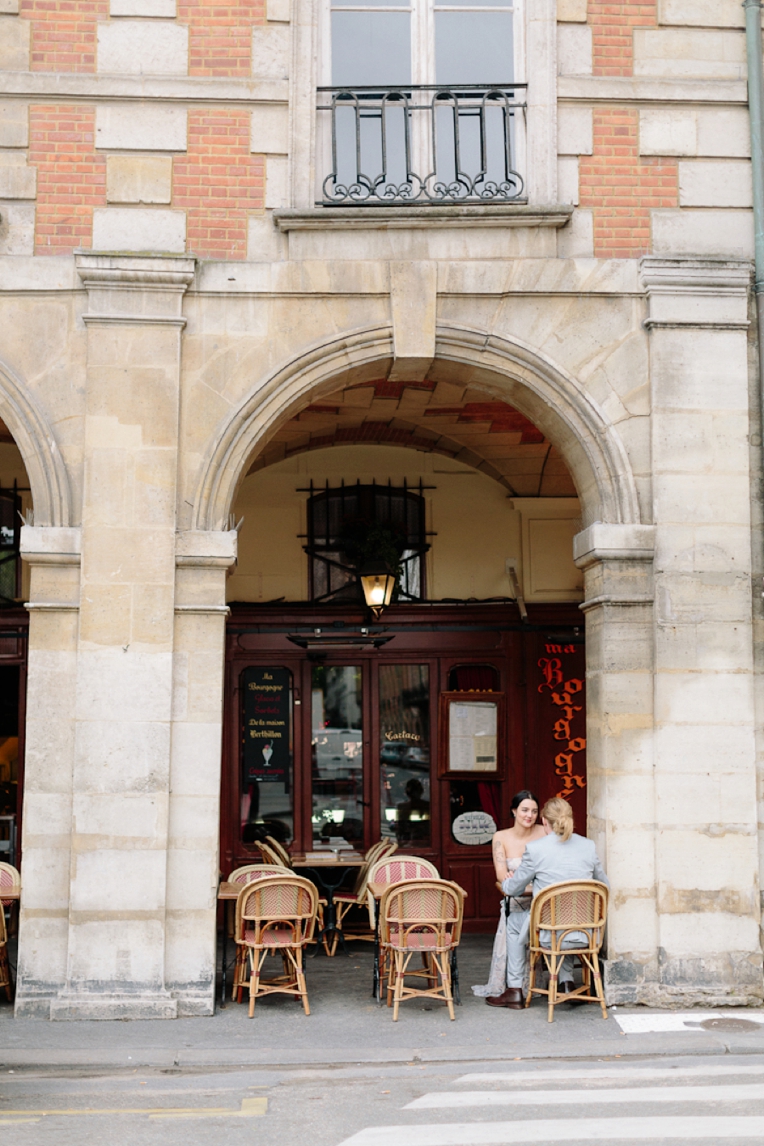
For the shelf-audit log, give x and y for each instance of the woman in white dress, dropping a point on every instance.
(508, 847)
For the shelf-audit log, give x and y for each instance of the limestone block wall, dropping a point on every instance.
(174, 143)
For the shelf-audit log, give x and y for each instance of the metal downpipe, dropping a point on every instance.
(753, 44)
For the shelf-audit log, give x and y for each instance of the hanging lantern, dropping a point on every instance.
(378, 584)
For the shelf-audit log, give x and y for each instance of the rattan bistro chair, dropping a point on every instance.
(5, 966)
(421, 917)
(243, 875)
(394, 869)
(269, 855)
(344, 901)
(276, 914)
(283, 855)
(10, 880)
(575, 911)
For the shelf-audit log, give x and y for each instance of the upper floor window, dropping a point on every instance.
(356, 523)
(422, 102)
(421, 42)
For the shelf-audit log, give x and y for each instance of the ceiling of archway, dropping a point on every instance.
(459, 422)
(5, 433)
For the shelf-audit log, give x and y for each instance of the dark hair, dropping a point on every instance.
(524, 795)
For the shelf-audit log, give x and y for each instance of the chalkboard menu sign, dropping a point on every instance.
(267, 724)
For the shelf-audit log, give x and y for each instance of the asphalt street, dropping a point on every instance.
(678, 1100)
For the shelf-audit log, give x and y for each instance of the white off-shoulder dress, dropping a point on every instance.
(497, 976)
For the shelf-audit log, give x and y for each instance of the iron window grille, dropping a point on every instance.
(422, 144)
(335, 515)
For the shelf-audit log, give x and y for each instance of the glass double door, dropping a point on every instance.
(370, 762)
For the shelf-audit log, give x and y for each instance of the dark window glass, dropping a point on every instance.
(473, 678)
(337, 754)
(404, 724)
(10, 524)
(483, 796)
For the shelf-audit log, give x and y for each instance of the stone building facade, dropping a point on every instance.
(190, 314)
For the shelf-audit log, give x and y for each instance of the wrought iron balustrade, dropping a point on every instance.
(421, 144)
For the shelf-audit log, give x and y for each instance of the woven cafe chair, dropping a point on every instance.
(10, 879)
(5, 966)
(421, 917)
(344, 901)
(268, 854)
(394, 869)
(247, 874)
(574, 908)
(284, 857)
(277, 914)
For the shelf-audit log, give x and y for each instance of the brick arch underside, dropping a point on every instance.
(516, 382)
(454, 420)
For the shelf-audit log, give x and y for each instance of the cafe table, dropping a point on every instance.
(328, 869)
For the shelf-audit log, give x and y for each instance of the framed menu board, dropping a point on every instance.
(472, 735)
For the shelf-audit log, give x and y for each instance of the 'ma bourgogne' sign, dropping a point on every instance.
(266, 730)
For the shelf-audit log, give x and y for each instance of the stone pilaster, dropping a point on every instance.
(618, 578)
(705, 776)
(53, 553)
(122, 712)
(203, 559)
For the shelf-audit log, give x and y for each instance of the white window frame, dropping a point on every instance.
(535, 58)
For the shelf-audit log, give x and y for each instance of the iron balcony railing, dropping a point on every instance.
(421, 144)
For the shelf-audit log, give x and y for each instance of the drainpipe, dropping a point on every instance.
(753, 46)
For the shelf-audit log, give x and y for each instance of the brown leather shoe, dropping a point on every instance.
(513, 998)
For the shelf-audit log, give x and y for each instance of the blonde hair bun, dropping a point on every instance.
(559, 815)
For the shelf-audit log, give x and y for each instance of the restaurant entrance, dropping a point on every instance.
(419, 729)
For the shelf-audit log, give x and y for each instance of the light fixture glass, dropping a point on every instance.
(391, 815)
(378, 585)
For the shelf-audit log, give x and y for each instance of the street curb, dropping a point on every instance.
(636, 1047)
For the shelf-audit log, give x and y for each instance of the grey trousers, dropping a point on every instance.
(518, 926)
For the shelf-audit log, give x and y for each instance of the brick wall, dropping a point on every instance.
(64, 33)
(220, 35)
(621, 187)
(218, 183)
(612, 24)
(71, 177)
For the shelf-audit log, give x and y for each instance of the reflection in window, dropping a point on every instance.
(10, 565)
(404, 721)
(475, 796)
(337, 754)
(267, 755)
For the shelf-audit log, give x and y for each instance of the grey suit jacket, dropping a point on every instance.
(551, 861)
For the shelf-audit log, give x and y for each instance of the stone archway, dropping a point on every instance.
(49, 481)
(508, 368)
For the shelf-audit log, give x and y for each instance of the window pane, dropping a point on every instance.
(466, 3)
(267, 749)
(473, 48)
(337, 741)
(404, 722)
(371, 48)
(370, 3)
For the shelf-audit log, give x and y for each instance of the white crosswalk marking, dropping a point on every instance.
(562, 1130)
(633, 1074)
(746, 1092)
(738, 1107)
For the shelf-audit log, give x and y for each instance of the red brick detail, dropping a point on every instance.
(71, 177)
(501, 419)
(220, 35)
(64, 33)
(621, 187)
(612, 27)
(218, 182)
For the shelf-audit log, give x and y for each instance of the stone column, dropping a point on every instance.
(618, 576)
(53, 553)
(122, 712)
(705, 778)
(203, 559)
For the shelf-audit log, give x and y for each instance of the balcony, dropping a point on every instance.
(421, 145)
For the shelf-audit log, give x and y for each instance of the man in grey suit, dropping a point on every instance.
(561, 855)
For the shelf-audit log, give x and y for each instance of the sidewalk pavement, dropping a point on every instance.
(347, 1027)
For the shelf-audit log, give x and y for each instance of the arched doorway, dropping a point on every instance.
(366, 747)
(15, 502)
